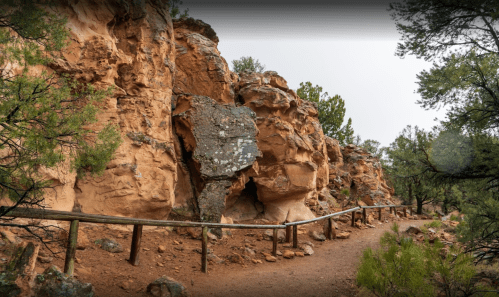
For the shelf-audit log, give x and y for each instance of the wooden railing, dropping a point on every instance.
(75, 218)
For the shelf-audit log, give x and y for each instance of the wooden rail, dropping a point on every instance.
(75, 218)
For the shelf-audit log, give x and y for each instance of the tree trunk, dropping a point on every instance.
(410, 193)
(419, 203)
(445, 207)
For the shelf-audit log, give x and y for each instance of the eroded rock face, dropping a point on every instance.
(200, 69)
(294, 166)
(127, 45)
(197, 137)
(354, 169)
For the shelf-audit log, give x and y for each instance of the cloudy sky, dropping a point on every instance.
(347, 47)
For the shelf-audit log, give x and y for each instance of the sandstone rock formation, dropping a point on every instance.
(199, 140)
(354, 169)
(127, 45)
(294, 166)
(200, 69)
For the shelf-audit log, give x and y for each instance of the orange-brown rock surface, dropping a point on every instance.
(200, 69)
(198, 139)
(127, 45)
(294, 166)
(353, 169)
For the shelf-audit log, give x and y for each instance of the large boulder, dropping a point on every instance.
(221, 141)
(293, 168)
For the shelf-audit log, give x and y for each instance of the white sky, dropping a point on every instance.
(348, 50)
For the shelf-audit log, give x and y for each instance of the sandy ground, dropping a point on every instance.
(330, 271)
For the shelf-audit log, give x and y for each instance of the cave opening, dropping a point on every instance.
(246, 206)
(250, 193)
(250, 190)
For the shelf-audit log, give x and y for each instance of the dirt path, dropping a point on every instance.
(329, 272)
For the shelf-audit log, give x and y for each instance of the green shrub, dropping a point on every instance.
(396, 269)
(454, 218)
(247, 63)
(403, 268)
(345, 192)
(434, 224)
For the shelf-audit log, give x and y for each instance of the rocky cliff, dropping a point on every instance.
(199, 140)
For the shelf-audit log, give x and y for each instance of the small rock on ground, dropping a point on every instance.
(54, 283)
(307, 250)
(166, 286)
(317, 236)
(343, 235)
(413, 230)
(270, 258)
(110, 245)
(288, 254)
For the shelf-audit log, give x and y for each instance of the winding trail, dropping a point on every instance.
(329, 272)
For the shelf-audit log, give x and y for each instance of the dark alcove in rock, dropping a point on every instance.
(247, 206)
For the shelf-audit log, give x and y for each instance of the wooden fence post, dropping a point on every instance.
(405, 212)
(204, 250)
(364, 216)
(329, 233)
(135, 248)
(379, 214)
(274, 243)
(411, 211)
(353, 218)
(295, 236)
(69, 263)
(331, 227)
(288, 233)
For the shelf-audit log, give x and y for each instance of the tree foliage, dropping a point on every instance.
(175, 9)
(247, 64)
(462, 38)
(371, 146)
(432, 29)
(406, 170)
(43, 116)
(331, 112)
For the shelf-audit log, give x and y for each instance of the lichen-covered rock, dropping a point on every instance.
(222, 138)
(53, 283)
(222, 142)
(110, 245)
(166, 287)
